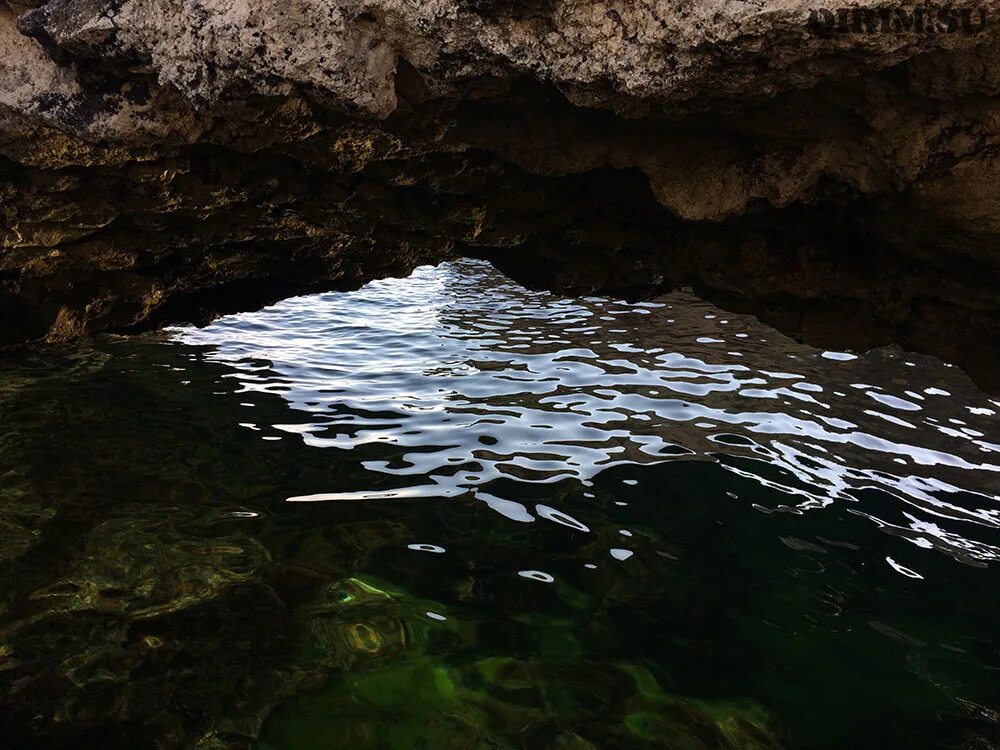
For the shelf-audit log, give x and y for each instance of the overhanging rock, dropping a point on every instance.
(835, 173)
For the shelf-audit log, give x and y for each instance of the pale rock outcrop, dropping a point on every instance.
(173, 159)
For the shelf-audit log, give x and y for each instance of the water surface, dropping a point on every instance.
(446, 511)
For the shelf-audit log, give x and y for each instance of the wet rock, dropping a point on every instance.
(173, 162)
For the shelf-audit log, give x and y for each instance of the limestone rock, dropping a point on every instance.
(833, 172)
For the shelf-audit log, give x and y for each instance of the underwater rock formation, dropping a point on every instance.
(834, 172)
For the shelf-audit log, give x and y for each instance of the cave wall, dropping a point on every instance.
(172, 160)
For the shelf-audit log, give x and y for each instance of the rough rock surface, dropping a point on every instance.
(174, 159)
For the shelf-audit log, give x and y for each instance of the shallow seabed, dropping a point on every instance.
(447, 512)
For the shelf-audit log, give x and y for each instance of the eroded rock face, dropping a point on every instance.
(836, 175)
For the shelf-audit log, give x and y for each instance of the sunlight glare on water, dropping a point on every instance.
(485, 380)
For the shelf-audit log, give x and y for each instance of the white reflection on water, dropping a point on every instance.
(483, 379)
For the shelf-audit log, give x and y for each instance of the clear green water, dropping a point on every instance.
(446, 512)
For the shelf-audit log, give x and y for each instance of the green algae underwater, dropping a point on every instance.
(185, 564)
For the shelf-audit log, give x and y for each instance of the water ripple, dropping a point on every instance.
(471, 379)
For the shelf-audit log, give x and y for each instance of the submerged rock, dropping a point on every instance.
(507, 703)
(832, 171)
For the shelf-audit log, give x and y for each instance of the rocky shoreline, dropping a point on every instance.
(167, 161)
